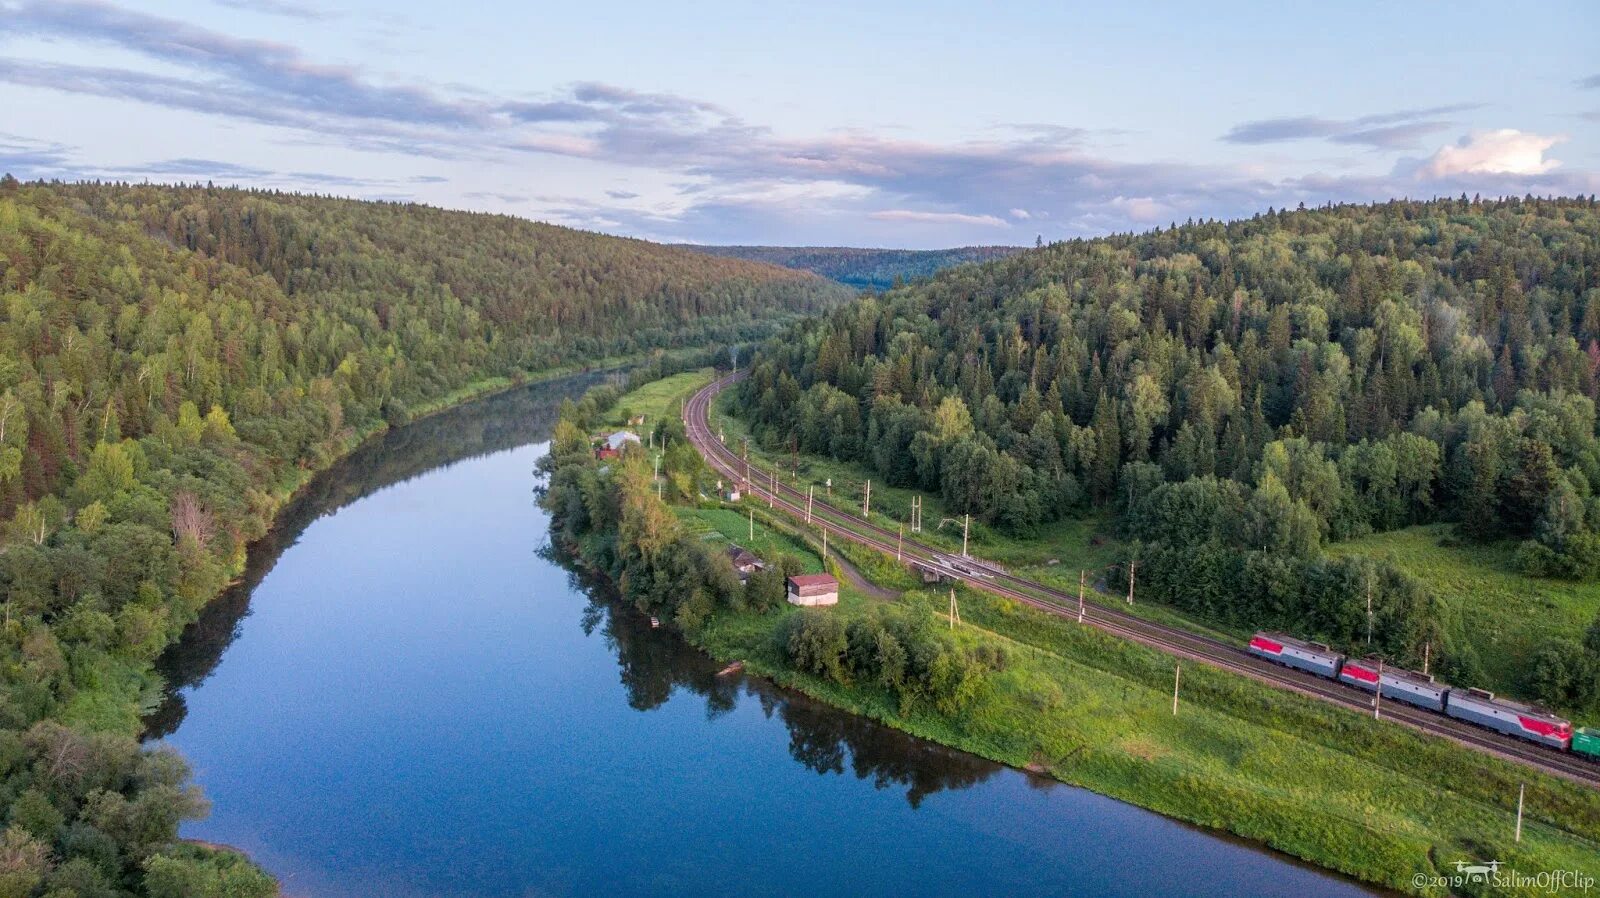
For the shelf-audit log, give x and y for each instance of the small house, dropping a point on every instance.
(744, 561)
(615, 443)
(813, 589)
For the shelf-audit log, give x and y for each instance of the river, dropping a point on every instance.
(408, 696)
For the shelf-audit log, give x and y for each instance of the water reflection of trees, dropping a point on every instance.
(653, 663)
(507, 420)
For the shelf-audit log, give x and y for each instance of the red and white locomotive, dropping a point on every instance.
(1472, 705)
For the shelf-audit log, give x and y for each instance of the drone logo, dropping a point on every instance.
(1477, 871)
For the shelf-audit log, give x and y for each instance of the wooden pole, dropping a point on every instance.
(1522, 789)
(1082, 574)
(1177, 676)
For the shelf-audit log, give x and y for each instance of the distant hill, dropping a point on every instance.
(867, 269)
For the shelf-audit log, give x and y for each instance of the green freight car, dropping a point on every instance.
(1586, 741)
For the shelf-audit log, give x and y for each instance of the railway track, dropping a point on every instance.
(768, 486)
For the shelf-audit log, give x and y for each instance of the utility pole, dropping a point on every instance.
(824, 549)
(752, 525)
(1377, 706)
(774, 491)
(966, 525)
(866, 503)
(1369, 609)
(1426, 650)
(1082, 575)
(657, 477)
(747, 461)
(898, 543)
(810, 492)
(955, 610)
(1522, 789)
(1133, 567)
(1177, 676)
(794, 457)
(830, 489)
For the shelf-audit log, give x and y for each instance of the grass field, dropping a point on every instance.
(657, 399)
(1505, 615)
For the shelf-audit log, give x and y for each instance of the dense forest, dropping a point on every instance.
(173, 362)
(865, 269)
(1240, 394)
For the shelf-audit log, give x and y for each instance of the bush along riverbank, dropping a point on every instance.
(1366, 798)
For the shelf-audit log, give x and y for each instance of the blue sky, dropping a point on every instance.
(915, 125)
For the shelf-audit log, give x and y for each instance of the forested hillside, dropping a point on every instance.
(1242, 394)
(866, 269)
(173, 361)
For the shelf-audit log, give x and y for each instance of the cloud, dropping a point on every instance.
(1141, 209)
(201, 168)
(1384, 130)
(1506, 151)
(27, 158)
(241, 72)
(938, 217)
(622, 195)
(278, 8)
(1020, 214)
(1592, 82)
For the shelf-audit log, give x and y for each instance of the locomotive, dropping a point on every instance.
(1475, 706)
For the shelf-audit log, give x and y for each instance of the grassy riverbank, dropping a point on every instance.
(1367, 798)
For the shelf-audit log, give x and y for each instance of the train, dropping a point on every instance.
(1476, 706)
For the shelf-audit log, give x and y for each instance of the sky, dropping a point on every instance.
(914, 125)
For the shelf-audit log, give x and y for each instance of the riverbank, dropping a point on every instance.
(1362, 797)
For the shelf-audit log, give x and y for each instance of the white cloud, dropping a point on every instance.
(1021, 214)
(1506, 151)
(1139, 208)
(937, 217)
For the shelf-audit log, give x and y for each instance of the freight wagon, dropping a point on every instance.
(1586, 741)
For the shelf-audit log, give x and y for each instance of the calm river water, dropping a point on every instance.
(408, 697)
